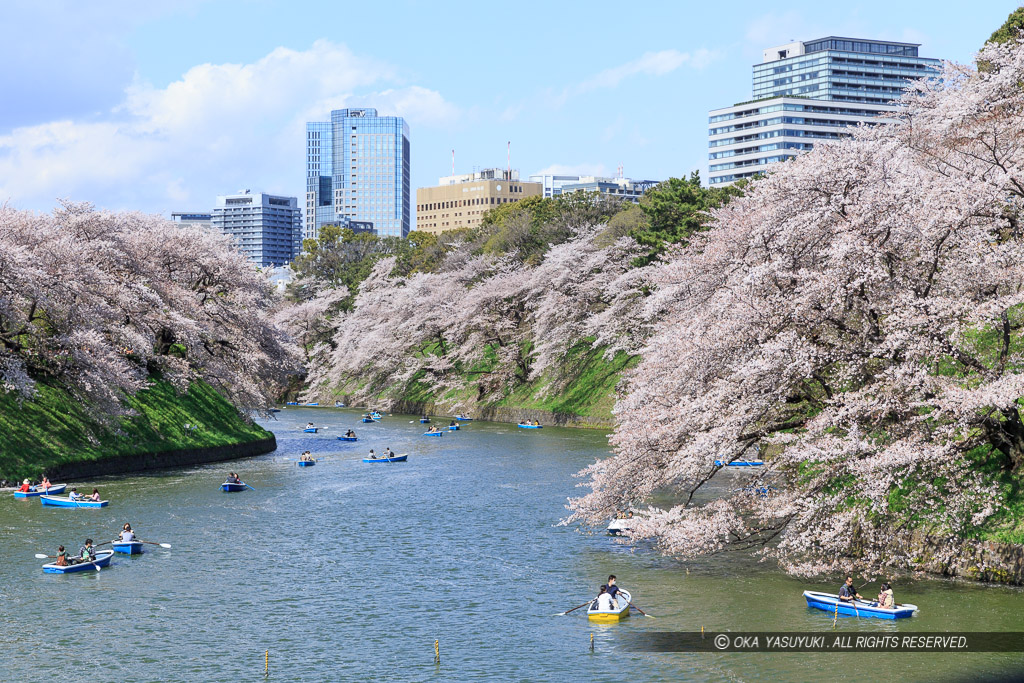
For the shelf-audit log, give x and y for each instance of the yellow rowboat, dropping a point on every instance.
(612, 616)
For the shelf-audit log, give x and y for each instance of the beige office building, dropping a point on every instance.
(460, 201)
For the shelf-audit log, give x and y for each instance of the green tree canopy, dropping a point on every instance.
(676, 209)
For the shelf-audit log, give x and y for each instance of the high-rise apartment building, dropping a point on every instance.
(808, 92)
(200, 218)
(621, 188)
(267, 228)
(357, 169)
(460, 201)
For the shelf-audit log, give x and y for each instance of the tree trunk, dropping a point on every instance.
(1008, 437)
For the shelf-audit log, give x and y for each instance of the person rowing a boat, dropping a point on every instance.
(388, 453)
(307, 457)
(75, 495)
(45, 483)
(847, 593)
(613, 589)
(886, 600)
(233, 478)
(309, 425)
(127, 535)
(86, 553)
(350, 434)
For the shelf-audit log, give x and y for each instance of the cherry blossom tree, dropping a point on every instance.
(102, 301)
(492, 319)
(855, 319)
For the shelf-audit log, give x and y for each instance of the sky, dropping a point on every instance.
(162, 108)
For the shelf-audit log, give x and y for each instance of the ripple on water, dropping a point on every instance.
(349, 571)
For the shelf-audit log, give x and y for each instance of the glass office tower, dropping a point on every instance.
(805, 93)
(357, 170)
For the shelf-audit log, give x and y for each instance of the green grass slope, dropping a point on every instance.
(54, 428)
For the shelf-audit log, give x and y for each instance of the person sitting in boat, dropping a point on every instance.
(95, 497)
(886, 600)
(127, 535)
(309, 425)
(87, 553)
(350, 434)
(45, 483)
(847, 593)
(373, 456)
(613, 590)
(233, 478)
(62, 557)
(605, 603)
(74, 495)
(388, 453)
(25, 486)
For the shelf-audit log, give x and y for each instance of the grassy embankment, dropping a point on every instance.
(583, 385)
(54, 428)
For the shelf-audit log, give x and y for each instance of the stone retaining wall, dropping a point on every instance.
(977, 560)
(139, 462)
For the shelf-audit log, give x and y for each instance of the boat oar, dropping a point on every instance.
(162, 545)
(562, 614)
(40, 556)
(247, 486)
(639, 610)
(104, 543)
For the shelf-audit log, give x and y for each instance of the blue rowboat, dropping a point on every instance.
(367, 419)
(433, 433)
(522, 426)
(463, 418)
(37, 491)
(102, 560)
(859, 608)
(398, 458)
(424, 420)
(453, 428)
(292, 403)
(275, 410)
(307, 463)
(739, 463)
(229, 487)
(312, 404)
(54, 501)
(310, 430)
(127, 547)
(348, 438)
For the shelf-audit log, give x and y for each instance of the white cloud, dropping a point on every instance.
(648, 64)
(219, 127)
(573, 169)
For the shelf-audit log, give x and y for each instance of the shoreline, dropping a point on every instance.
(504, 414)
(155, 460)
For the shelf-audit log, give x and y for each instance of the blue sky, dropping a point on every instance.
(161, 109)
